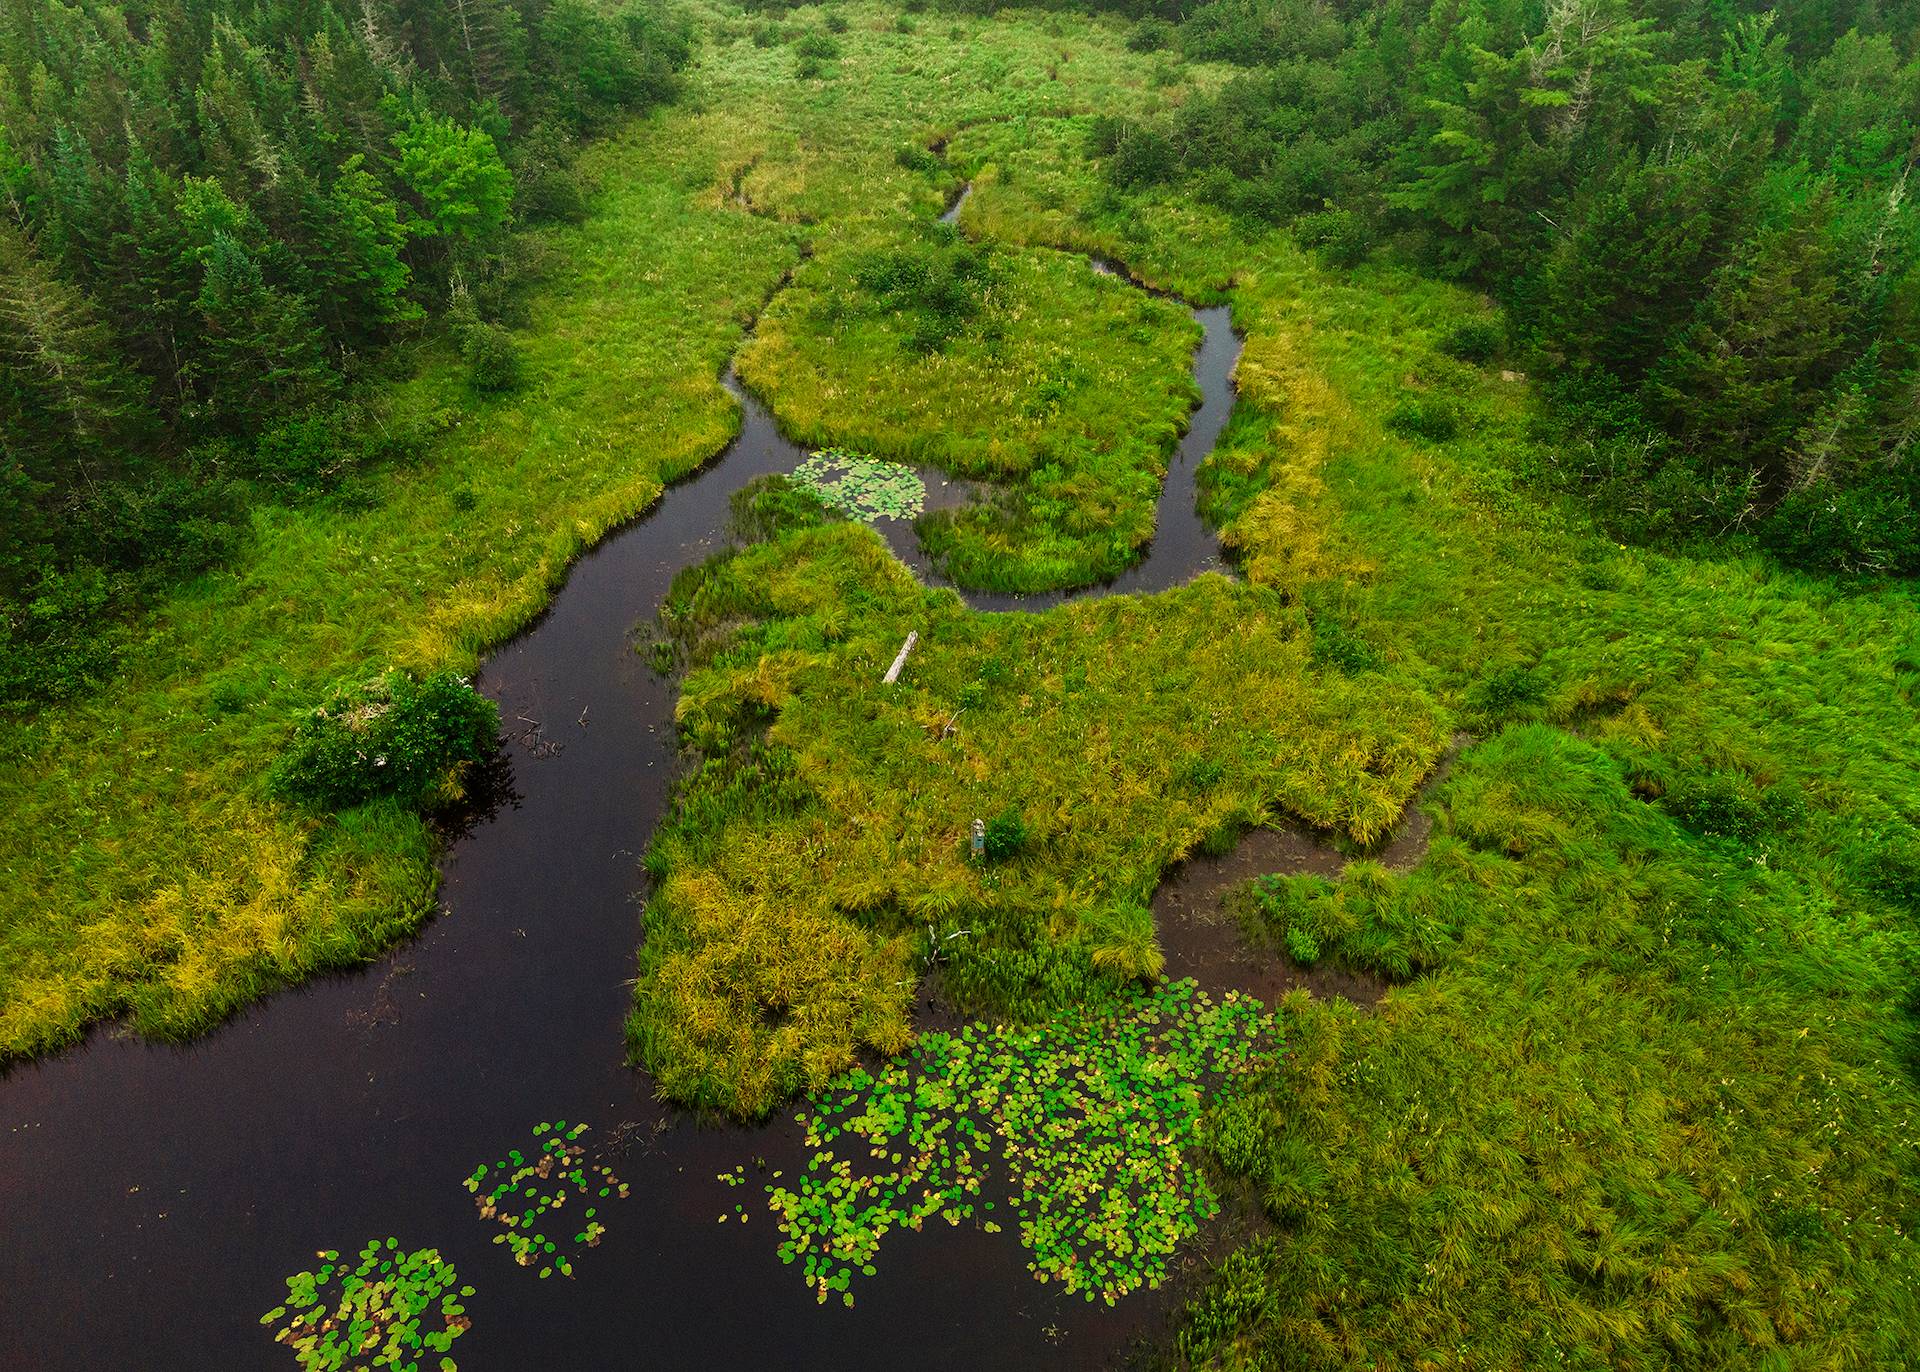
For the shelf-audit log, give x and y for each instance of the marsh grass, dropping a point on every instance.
(1643, 1097)
(816, 858)
(145, 870)
(1062, 389)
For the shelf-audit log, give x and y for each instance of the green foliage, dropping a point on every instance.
(1598, 944)
(1301, 945)
(1509, 691)
(1336, 646)
(1477, 341)
(1151, 35)
(824, 825)
(1007, 834)
(197, 891)
(462, 188)
(769, 507)
(1432, 418)
(1691, 205)
(399, 736)
(522, 1192)
(1058, 390)
(493, 359)
(390, 1309)
(1095, 1117)
(862, 488)
(938, 282)
(51, 643)
(215, 224)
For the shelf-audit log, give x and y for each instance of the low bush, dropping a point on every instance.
(939, 281)
(400, 736)
(1151, 35)
(53, 645)
(550, 195)
(1007, 834)
(1873, 526)
(1477, 341)
(493, 359)
(1425, 417)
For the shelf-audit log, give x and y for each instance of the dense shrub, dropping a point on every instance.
(1731, 805)
(1336, 646)
(1427, 417)
(493, 359)
(1151, 35)
(1007, 834)
(1873, 526)
(939, 282)
(550, 195)
(1510, 691)
(1343, 237)
(1477, 341)
(51, 643)
(396, 736)
(769, 506)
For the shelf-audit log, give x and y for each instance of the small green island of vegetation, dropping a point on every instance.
(1562, 605)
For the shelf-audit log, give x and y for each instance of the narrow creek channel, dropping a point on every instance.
(155, 1198)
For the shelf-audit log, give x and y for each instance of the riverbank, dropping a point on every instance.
(146, 874)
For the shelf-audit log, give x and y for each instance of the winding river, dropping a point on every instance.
(155, 1198)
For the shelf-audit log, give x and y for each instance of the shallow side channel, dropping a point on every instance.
(155, 1198)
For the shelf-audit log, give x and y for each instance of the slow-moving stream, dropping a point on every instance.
(154, 1199)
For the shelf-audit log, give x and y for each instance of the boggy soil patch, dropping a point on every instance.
(1201, 933)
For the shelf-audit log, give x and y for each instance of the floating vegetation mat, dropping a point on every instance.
(527, 1194)
(863, 488)
(1093, 1118)
(388, 1310)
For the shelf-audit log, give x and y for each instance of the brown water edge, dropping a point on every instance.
(1200, 930)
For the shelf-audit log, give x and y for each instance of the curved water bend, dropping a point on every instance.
(1184, 544)
(155, 1198)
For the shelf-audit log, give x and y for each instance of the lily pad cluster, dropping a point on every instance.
(382, 1309)
(1093, 1120)
(863, 488)
(527, 1191)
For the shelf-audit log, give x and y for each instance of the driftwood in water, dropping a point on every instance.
(893, 672)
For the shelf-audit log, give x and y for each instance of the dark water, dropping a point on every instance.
(153, 1200)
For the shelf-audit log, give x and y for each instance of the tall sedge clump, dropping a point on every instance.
(1123, 944)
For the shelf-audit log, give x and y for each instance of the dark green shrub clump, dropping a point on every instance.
(1425, 417)
(1732, 806)
(937, 284)
(397, 735)
(769, 506)
(1510, 691)
(493, 359)
(1007, 834)
(1343, 238)
(1151, 35)
(812, 52)
(1477, 341)
(1337, 646)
